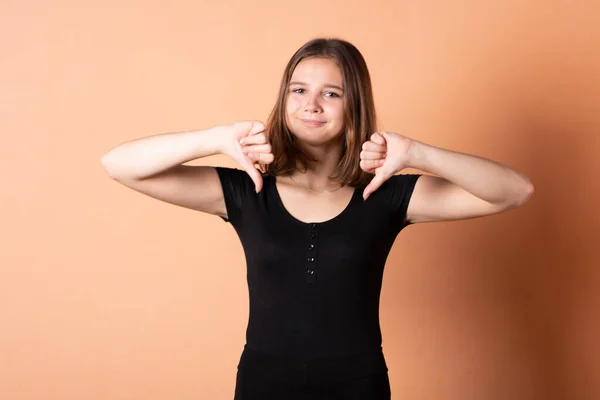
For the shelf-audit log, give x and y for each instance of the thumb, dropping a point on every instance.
(254, 173)
(256, 127)
(375, 183)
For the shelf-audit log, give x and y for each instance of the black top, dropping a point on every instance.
(314, 287)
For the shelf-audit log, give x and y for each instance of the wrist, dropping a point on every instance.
(416, 154)
(221, 137)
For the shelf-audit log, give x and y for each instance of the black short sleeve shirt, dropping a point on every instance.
(314, 287)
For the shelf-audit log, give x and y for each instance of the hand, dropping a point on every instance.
(249, 146)
(384, 155)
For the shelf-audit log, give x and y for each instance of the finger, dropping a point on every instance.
(254, 139)
(257, 148)
(257, 179)
(370, 165)
(375, 183)
(262, 158)
(267, 158)
(372, 146)
(254, 173)
(378, 138)
(371, 155)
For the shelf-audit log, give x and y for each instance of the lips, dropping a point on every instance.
(312, 122)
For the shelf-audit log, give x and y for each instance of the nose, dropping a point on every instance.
(312, 103)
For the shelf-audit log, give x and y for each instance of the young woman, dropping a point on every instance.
(317, 218)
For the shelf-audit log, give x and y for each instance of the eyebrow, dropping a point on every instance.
(327, 85)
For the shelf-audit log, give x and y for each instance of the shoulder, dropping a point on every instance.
(234, 175)
(230, 173)
(238, 191)
(402, 179)
(400, 185)
(397, 191)
(238, 181)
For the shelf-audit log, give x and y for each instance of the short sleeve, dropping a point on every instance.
(236, 185)
(401, 188)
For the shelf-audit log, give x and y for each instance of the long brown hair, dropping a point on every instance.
(359, 113)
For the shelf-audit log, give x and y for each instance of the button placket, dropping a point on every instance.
(311, 254)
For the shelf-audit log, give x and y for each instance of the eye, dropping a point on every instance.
(332, 94)
(298, 90)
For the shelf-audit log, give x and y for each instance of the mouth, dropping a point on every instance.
(312, 122)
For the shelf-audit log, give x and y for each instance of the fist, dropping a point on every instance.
(249, 146)
(385, 154)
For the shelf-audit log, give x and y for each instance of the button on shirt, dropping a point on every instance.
(314, 287)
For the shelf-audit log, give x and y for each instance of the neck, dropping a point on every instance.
(321, 165)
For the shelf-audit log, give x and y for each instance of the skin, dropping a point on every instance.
(316, 93)
(457, 186)
(461, 186)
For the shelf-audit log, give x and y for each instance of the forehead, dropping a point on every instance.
(318, 70)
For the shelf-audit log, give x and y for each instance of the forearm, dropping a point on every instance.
(486, 179)
(144, 157)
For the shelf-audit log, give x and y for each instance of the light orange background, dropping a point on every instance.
(109, 294)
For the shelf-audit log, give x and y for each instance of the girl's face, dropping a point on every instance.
(315, 105)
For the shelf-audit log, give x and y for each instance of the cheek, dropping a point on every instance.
(290, 111)
(292, 106)
(336, 112)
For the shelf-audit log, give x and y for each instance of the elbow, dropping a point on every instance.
(524, 194)
(109, 168)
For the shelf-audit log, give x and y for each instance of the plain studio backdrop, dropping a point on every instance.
(108, 294)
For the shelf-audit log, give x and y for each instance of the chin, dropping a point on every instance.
(314, 136)
(314, 139)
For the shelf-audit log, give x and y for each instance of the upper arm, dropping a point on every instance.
(194, 187)
(436, 199)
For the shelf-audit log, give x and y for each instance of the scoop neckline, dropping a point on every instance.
(285, 211)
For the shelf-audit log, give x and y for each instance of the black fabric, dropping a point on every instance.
(314, 287)
(265, 377)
